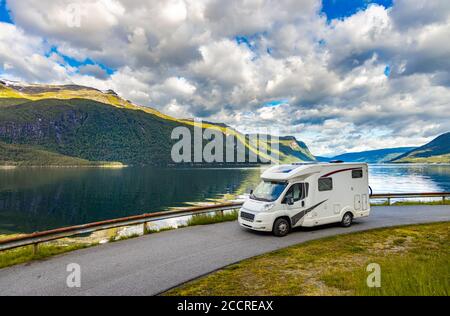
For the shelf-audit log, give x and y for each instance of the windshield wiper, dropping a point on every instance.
(259, 199)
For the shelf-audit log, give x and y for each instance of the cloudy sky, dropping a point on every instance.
(342, 75)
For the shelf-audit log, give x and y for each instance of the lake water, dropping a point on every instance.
(40, 199)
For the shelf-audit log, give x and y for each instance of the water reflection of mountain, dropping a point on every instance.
(37, 199)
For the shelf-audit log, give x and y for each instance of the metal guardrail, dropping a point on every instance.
(40, 237)
(390, 196)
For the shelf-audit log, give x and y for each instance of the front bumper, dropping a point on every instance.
(261, 222)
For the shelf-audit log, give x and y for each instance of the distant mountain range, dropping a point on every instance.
(75, 125)
(437, 151)
(371, 156)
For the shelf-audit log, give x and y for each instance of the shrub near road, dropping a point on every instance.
(414, 260)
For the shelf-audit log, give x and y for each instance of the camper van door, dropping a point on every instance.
(296, 194)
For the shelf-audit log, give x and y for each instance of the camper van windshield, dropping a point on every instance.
(268, 191)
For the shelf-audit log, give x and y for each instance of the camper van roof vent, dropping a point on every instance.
(336, 161)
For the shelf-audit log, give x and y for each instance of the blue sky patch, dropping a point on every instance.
(77, 64)
(4, 13)
(340, 9)
(245, 41)
(387, 71)
(275, 103)
(251, 41)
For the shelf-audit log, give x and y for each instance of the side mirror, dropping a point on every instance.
(290, 201)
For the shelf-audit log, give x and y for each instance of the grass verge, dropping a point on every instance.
(206, 219)
(25, 254)
(414, 260)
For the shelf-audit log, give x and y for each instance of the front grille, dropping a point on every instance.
(247, 216)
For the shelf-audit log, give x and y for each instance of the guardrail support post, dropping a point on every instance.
(35, 249)
(145, 229)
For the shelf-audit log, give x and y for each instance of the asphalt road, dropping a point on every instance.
(152, 264)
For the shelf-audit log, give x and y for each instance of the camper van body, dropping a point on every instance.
(308, 195)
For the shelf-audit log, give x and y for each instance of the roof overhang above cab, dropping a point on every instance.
(285, 173)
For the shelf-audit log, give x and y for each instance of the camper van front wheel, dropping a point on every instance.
(281, 228)
(347, 220)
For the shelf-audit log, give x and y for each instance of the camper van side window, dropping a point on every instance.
(357, 174)
(325, 184)
(295, 192)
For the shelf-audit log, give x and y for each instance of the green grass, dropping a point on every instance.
(122, 238)
(418, 273)
(197, 220)
(414, 260)
(206, 219)
(25, 254)
(163, 229)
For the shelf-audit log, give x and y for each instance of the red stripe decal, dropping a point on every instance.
(339, 171)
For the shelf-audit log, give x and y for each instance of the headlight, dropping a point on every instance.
(268, 207)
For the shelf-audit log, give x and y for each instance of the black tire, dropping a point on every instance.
(347, 220)
(281, 228)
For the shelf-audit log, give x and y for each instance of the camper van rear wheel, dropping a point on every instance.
(347, 220)
(281, 228)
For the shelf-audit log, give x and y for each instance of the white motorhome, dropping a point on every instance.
(307, 195)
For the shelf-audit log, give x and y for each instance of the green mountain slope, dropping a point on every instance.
(22, 155)
(88, 130)
(100, 126)
(437, 151)
(293, 150)
(5, 102)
